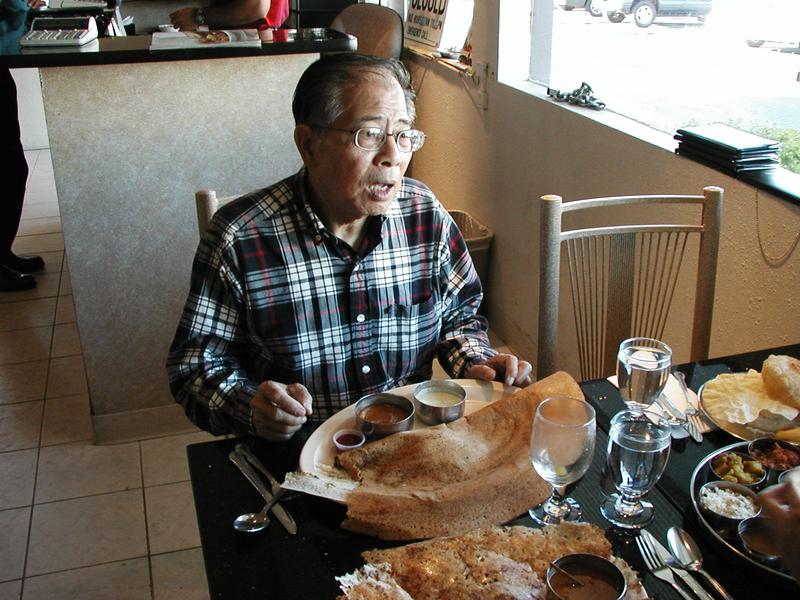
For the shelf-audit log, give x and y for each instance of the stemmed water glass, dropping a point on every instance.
(642, 371)
(638, 449)
(562, 447)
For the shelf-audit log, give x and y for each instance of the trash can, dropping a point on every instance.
(479, 240)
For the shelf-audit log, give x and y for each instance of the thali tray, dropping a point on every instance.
(699, 477)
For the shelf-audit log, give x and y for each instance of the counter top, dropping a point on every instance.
(136, 49)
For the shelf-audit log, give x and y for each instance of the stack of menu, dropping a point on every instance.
(728, 149)
(205, 39)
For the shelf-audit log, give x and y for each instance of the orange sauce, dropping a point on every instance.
(384, 414)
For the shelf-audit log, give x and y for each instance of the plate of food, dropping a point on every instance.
(318, 454)
(752, 404)
(724, 490)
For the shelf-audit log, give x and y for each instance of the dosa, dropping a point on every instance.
(452, 478)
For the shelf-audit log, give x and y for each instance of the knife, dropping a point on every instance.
(669, 560)
(279, 511)
(245, 451)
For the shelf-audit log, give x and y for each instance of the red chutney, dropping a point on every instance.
(384, 413)
(348, 439)
(777, 457)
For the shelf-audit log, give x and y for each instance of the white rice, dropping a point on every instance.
(728, 503)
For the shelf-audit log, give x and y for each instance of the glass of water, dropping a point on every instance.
(562, 447)
(638, 449)
(642, 371)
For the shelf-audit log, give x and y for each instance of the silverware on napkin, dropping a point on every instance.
(665, 556)
(677, 416)
(278, 510)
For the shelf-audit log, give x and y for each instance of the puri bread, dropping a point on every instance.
(781, 375)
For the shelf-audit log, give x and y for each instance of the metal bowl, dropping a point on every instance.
(721, 522)
(765, 444)
(757, 539)
(584, 566)
(782, 477)
(439, 401)
(713, 474)
(376, 429)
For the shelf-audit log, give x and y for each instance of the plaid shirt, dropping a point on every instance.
(275, 296)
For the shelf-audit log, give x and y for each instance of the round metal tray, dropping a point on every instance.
(699, 477)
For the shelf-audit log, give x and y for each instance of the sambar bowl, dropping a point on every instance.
(758, 540)
(603, 578)
(439, 401)
(726, 504)
(382, 414)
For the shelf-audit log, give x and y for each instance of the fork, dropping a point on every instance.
(697, 417)
(656, 566)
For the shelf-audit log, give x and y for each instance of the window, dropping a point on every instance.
(668, 63)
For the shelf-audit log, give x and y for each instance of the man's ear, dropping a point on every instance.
(305, 140)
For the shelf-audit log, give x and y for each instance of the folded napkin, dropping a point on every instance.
(675, 394)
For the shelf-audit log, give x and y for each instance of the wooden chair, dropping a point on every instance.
(623, 277)
(207, 203)
(379, 29)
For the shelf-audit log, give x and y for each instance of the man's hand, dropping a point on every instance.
(183, 19)
(506, 366)
(279, 410)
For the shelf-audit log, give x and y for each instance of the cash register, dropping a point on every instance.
(60, 31)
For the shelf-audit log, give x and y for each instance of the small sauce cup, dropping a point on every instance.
(600, 578)
(348, 439)
(757, 539)
(439, 401)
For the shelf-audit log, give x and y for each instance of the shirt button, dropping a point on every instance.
(318, 239)
(361, 318)
(365, 369)
(355, 267)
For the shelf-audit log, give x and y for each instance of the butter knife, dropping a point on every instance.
(667, 558)
(279, 511)
(245, 451)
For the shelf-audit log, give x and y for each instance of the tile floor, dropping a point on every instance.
(77, 520)
(80, 521)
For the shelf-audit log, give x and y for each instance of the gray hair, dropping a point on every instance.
(319, 95)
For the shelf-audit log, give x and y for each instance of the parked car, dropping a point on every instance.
(596, 8)
(645, 11)
(775, 22)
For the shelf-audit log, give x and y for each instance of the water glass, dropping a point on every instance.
(562, 447)
(638, 449)
(643, 366)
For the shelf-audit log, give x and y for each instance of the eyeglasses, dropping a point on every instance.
(372, 138)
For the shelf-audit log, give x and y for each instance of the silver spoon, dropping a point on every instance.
(252, 522)
(687, 554)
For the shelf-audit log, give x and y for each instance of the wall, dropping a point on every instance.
(496, 164)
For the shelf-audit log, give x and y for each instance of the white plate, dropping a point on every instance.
(319, 450)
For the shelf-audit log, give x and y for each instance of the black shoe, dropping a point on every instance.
(24, 264)
(14, 281)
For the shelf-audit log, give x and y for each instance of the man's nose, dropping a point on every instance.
(389, 153)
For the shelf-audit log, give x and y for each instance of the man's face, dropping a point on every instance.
(350, 183)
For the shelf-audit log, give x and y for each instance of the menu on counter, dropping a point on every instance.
(227, 38)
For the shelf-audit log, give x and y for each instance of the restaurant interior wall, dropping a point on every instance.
(496, 163)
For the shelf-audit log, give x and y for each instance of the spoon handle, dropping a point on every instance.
(717, 585)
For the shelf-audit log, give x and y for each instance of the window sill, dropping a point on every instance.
(780, 182)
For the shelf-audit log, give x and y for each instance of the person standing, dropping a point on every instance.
(239, 14)
(14, 270)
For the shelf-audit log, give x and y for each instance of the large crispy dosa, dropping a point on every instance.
(452, 478)
(489, 563)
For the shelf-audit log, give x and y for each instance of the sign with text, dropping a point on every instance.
(425, 21)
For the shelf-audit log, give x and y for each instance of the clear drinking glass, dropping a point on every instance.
(562, 447)
(638, 449)
(642, 371)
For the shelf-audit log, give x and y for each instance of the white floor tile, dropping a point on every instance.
(14, 525)
(22, 382)
(25, 345)
(86, 531)
(11, 590)
(66, 419)
(17, 472)
(20, 425)
(171, 517)
(67, 377)
(125, 580)
(81, 469)
(164, 459)
(179, 576)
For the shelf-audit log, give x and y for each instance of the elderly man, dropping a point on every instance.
(343, 280)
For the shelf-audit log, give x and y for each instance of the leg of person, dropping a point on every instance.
(12, 192)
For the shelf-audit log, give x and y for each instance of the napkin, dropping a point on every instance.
(674, 392)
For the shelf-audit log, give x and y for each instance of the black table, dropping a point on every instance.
(272, 564)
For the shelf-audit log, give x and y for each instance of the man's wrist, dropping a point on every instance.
(200, 16)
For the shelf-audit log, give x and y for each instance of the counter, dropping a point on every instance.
(133, 134)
